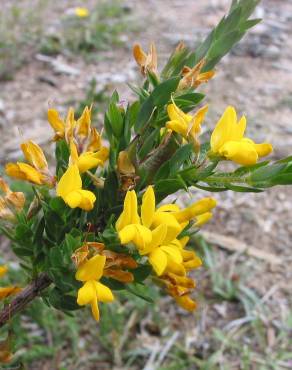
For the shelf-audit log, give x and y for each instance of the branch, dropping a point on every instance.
(22, 299)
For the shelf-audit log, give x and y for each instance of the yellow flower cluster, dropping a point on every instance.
(155, 233)
(86, 153)
(227, 140)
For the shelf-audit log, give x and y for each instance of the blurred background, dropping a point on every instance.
(54, 55)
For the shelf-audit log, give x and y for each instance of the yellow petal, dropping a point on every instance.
(23, 171)
(263, 149)
(94, 309)
(84, 122)
(103, 293)
(191, 260)
(158, 236)
(73, 153)
(69, 182)
(173, 227)
(102, 154)
(203, 218)
(168, 208)
(177, 126)
(86, 294)
(3, 270)
(127, 234)
(186, 302)
(175, 268)
(148, 207)
(69, 125)
(176, 114)
(139, 55)
(184, 241)
(87, 161)
(56, 122)
(130, 212)
(227, 129)
(172, 252)
(87, 200)
(91, 269)
(240, 152)
(95, 140)
(142, 237)
(202, 206)
(73, 199)
(34, 155)
(158, 261)
(197, 120)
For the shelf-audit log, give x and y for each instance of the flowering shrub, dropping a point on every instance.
(100, 221)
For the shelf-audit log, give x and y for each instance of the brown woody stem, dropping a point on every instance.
(22, 299)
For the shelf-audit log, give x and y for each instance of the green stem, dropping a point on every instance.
(225, 179)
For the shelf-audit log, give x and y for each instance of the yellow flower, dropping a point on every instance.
(70, 189)
(93, 291)
(11, 203)
(36, 171)
(88, 160)
(81, 12)
(228, 141)
(192, 77)
(9, 290)
(155, 232)
(185, 124)
(85, 138)
(146, 62)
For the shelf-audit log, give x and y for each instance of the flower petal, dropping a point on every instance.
(173, 227)
(91, 269)
(198, 208)
(94, 309)
(87, 200)
(263, 149)
(34, 155)
(148, 207)
(227, 129)
(70, 181)
(241, 152)
(158, 260)
(56, 122)
(23, 171)
(86, 294)
(173, 252)
(103, 293)
(203, 218)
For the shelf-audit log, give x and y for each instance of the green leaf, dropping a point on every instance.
(266, 173)
(141, 273)
(171, 167)
(225, 35)
(158, 98)
(148, 143)
(141, 291)
(62, 301)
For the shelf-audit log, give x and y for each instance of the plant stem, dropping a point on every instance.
(22, 299)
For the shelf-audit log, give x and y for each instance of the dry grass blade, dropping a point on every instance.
(234, 245)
